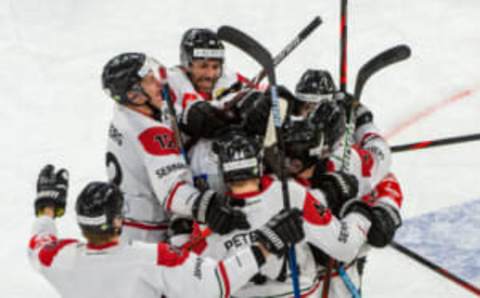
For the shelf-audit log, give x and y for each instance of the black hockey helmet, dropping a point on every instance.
(315, 85)
(312, 138)
(200, 43)
(240, 156)
(97, 206)
(124, 73)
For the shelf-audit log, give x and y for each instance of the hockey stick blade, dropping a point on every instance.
(250, 46)
(382, 60)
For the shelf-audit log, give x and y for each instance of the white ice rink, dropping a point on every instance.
(54, 111)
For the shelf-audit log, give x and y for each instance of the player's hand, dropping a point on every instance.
(213, 209)
(52, 190)
(338, 187)
(280, 231)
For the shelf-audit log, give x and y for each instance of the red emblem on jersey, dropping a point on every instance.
(315, 213)
(169, 257)
(159, 141)
(367, 160)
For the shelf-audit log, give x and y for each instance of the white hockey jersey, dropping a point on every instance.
(144, 160)
(370, 158)
(126, 270)
(340, 239)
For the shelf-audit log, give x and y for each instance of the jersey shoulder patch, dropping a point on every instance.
(159, 141)
(51, 250)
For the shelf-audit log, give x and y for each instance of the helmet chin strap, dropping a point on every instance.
(156, 112)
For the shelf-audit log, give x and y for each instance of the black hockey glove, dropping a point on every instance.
(255, 117)
(338, 187)
(212, 208)
(202, 120)
(280, 231)
(363, 116)
(385, 222)
(51, 190)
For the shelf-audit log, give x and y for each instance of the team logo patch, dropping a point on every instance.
(159, 141)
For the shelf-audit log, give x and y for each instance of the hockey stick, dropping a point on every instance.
(435, 143)
(440, 270)
(287, 50)
(377, 63)
(346, 160)
(374, 65)
(264, 58)
(173, 120)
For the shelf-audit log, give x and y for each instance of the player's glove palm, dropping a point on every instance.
(51, 190)
(283, 229)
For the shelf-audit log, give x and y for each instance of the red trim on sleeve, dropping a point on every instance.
(225, 279)
(166, 256)
(390, 188)
(187, 97)
(49, 251)
(159, 141)
(367, 160)
(144, 226)
(168, 205)
(314, 212)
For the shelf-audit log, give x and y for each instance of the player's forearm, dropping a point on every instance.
(340, 239)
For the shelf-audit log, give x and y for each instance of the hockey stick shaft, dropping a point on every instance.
(343, 45)
(435, 143)
(287, 50)
(349, 131)
(173, 121)
(438, 269)
(317, 21)
(264, 58)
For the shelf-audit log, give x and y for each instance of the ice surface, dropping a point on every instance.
(53, 110)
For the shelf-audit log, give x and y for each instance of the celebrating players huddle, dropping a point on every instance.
(193, 206)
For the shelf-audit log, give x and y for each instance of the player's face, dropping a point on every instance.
(152, 86)
(205, 73)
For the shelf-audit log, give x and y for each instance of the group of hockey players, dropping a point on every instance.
(194, 206)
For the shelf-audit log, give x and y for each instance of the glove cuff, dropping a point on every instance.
(200, 207)
(356, 206)
(270, 239)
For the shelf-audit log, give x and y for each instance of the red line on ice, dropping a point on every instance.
(429, 111)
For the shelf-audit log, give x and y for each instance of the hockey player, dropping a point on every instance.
(314, 157)
(314, 86)
(197, 81)
(143, 157)
(260, 196)
(105, 267)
